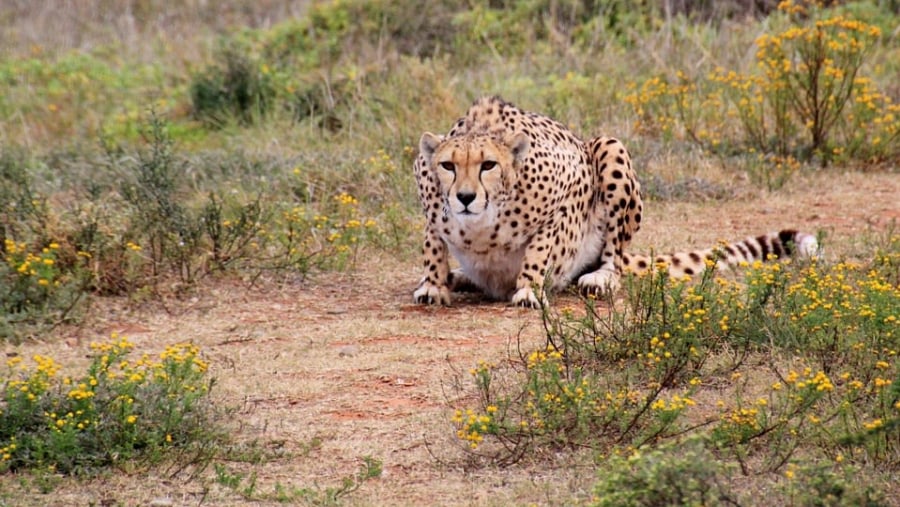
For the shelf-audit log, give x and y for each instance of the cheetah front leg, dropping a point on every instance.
(540, 255)
(435, 285)
(617, 214)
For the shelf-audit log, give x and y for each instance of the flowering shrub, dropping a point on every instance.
(36, 286)
(560, 406)
(324, 235)
(823, 339)
(810, 71)
(119, 409)
(806, 97)
(30, 276)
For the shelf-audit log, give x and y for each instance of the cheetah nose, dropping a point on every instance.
(465, 198)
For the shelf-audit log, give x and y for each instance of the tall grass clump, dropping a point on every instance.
(177, 229)
(153, 220)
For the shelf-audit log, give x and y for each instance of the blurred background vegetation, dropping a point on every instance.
(147, 145)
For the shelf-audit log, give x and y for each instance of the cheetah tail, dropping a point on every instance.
(768, 246)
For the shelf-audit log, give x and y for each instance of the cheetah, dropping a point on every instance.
(520, 202)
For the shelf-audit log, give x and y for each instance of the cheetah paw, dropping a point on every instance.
(598, 283)
(431, 294)
(807, 246)
(525, 298)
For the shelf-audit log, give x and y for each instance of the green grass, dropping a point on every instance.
(245, 486)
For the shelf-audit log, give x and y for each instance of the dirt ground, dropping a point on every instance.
(344, 366)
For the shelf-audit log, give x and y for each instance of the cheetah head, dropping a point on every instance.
(474, 169)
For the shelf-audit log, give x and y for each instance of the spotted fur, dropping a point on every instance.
(518, 200)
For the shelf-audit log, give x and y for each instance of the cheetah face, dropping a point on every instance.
(474, 170)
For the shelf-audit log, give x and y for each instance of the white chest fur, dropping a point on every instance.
(492, 256)
(489, 255)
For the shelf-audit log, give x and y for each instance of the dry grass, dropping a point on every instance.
(61, 25)
(344, 366)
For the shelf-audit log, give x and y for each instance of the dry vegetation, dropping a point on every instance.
(236, 175)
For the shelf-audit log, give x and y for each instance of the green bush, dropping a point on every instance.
(153, 219)
(828, 486)
(237, 88)
(682, 474)
(36, 288)
(305, 67)
(690, 473)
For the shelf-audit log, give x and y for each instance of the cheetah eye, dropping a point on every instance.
(488, 165)
(449, 166)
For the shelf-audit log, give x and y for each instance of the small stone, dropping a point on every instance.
(161, 502)
(348, 351)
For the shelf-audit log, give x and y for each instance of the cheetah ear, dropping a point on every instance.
(428, 144)
(519, 145)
